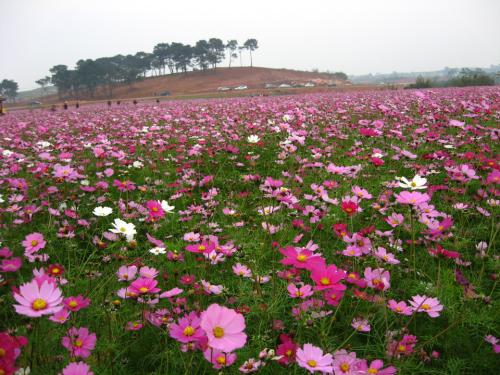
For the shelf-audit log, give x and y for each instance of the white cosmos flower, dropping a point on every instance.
(166, 207)
(138, 164)
(7, 153)
(253, 138)
(157, 250)
(124, 228)
(1, 198)
(417, 183)
(43, 144)
(102, 211)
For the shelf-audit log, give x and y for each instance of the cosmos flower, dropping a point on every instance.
(430, 305)
(79, 342)
(416, 183)
(253, 138)
(312, 359)
(224, 328)
(126, 229)
(102, 211)
(35, 301)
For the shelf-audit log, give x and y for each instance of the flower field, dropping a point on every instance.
(341, 233)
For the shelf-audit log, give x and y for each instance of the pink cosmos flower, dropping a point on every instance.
(76, 303)
(375, 367)
(36, 300)
(224, 328)
(79, 342)
(11, 265)
(60, 317)
(143, 286)
(301, 258)
(382, 254)
(77, 368)
(187, 329)
(395, 219)
(126, 273)
(413, 198)
(328, 277)
(312, 359)
(33, 242)
(493, 341)
(360, 325)
(426, 304)
(219, 358)
(302, 292)
(400, 307)
(403, 347)
(204, 247)
(242, 270)
(345, 363)
(378, 278)
(155, 210)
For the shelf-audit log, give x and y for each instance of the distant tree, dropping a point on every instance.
(217, 49)
(62, 78)
(201, 53)
(162, 53)
(232, 46)
(251, 45)
(43, 83)
(240, 49)
(9, 88)
(182, 54)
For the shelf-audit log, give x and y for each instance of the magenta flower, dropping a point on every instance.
(143, 286)
(378, 278)
(224, 328)
(187, 329)
(300, 258)
(302, 292)
(11, 265)
(35, 301)
(375, 367)
(76, 303)
(60, 317)
(33, 242)
(328, 277)
(400, 307)
(360, 325)
(155, 210)
(426, 304)
(345, 363)
(219, 358)
(77, 368)
(413, 198)
(312, 359)
(79, 342)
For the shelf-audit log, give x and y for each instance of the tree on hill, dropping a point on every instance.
(43, 83)
(217, 49)
(201, 53)
(232, 46)
(9, 88)
(251, 45)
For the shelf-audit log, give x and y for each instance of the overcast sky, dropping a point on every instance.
(354, 36)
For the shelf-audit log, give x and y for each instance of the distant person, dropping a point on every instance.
(65, 105)
(118, 102)
(77, 105)
(135, 102)
(109, 103)
(1, 107)
(157, 100)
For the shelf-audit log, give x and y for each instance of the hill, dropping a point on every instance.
(209, 81)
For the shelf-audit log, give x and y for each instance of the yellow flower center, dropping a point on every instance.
(78, 343)
(2, 352)
(2, 372)
(188, 331)
(289, 353)
(221, 360)
(34, 242)
(301, 258)
(426, 306)
(218, 332)
(399, 309)
(345, 367)
(376, 281)
(201, 248)
(402, 348)
(73, 304)
(55, 270)
(372, 370)
(312, 363)
(154, 209)
(143, 289)
(39, 304)
(325, 281)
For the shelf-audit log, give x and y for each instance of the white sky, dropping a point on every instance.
(354, 36)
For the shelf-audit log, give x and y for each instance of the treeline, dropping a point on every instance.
(466, 77)
(108, 72)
